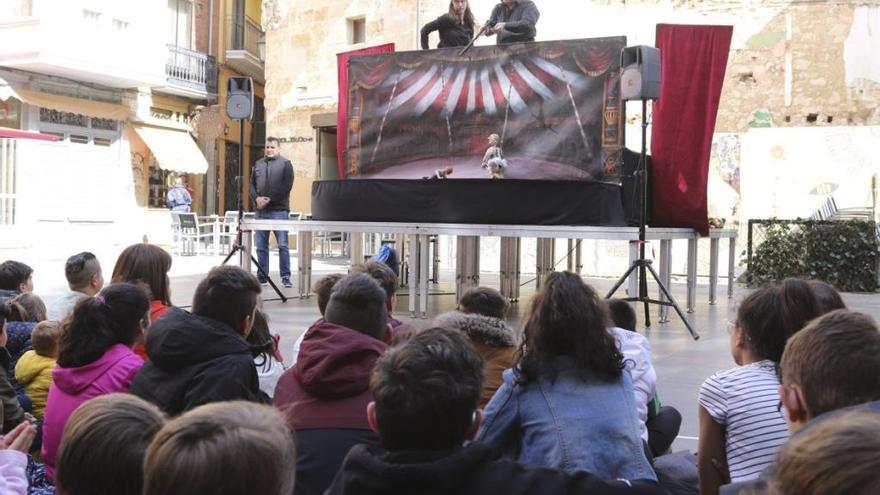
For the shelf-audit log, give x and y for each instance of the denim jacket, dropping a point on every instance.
(569, 424)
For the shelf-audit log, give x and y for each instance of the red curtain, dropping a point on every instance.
(342, 109)
(693, 63)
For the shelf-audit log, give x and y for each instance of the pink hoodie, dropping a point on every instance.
(112, 372)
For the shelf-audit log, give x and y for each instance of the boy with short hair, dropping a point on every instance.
(325, 395)
(425, 394)
(832, 364)
(34, 368)
(322, 289)
(203, 357)
(15, 278)
(84, 278)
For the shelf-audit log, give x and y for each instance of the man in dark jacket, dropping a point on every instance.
(271, 182)
(513, 21)
(203, 357)
(325, 395)
(425, 393)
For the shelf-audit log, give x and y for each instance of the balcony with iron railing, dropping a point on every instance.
(243, 38)
(190, 73)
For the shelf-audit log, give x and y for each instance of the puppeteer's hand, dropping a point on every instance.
(498, 28)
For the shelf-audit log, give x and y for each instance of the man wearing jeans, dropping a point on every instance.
(271, 182)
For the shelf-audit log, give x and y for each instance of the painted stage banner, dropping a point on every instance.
(554, 107)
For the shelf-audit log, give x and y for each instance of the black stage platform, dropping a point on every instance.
(471, 201)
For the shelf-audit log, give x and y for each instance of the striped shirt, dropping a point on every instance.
(744, 401)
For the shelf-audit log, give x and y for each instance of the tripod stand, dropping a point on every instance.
(238, 246)
(642, 264)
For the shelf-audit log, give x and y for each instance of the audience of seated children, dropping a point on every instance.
(266, 359)
(838, 456)
(832, 364)
(202, 357)
(741, 427)
(34, 369)
(227, 448)
(568, 403)
(104, 445)
(84, 278)
(94, 357)
(13, 412)
(322, 289)
(426, 391)
(146, 265)
(480, 316)
(15, 278)
(325, 395)
(14, 446)
(659, 424)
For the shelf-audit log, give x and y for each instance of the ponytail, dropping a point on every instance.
(111, 317)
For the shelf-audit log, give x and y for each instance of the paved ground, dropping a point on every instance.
(681, 363)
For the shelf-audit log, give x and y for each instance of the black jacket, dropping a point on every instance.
(451, 32)
(519, 23)
(472, 470)
(273, 178)
(193, 361)
(321, 452)
(13, 414)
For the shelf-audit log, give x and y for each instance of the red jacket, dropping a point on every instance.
(329, 387)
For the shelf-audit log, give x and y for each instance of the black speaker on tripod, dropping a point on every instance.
(640, 73)
(239, 98)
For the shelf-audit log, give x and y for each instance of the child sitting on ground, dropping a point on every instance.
(105, 440)
(660, 425)
(225, 447)
(480, 317)
(266, 358)
(34, 368)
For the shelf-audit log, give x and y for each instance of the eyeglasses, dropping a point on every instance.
(731, 327)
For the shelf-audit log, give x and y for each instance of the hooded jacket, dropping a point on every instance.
(194, 360)
(324, 397)
(13, 414)
(35, 373)
(472, 470)
(492, 338)
(110, 373)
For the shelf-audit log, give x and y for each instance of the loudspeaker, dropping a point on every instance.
(239, 98)
(640, 73)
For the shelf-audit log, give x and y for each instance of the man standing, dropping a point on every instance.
(513, 21)
(271, 182)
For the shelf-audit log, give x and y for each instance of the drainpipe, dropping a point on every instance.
(210, 26)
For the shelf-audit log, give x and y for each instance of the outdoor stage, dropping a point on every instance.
(413, 246)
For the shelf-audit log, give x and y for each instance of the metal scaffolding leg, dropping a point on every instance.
(304, 277)
(424, 257)
(356, 248)
(510, 267)
(544, 261)
(692, 274)
(467, 266)
(413, 268)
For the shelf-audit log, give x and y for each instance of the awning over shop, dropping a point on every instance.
(61, 103)
(174, 150)
(6, 132)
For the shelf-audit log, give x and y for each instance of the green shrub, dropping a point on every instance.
(842, 253)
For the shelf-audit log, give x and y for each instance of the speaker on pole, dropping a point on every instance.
(239, 98)
(640, 73)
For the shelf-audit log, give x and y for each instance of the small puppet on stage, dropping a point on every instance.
(493, 159)
(440, 173)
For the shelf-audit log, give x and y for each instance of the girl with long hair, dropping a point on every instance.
(456, 27)
(146, 265)
(94, 356)
(568, 402)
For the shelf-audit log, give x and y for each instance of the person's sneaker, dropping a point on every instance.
(286, 283)
(264, 283)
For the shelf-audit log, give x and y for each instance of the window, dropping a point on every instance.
(120, 26)
(180, 22)
(357, 30)
(91, 17)
(10, 113)
(8, 196)
(79, 139)
(99, 141)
